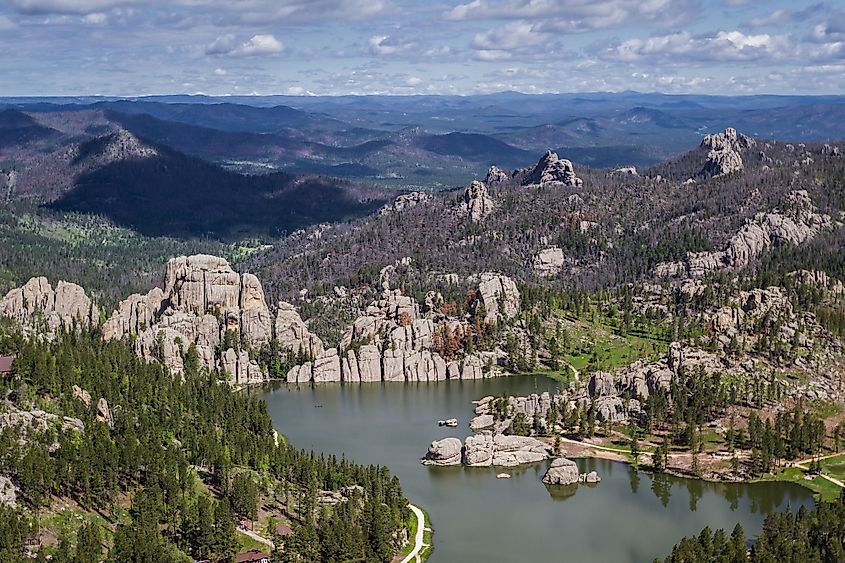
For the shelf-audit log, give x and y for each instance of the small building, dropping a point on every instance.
(284, 530)
(252, 556)
(6, 363)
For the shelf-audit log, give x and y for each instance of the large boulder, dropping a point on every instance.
(561, 472)
(444, 452)
(510, 451)
(548, 261)
(478, 450)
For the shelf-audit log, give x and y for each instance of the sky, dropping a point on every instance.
(342, 47)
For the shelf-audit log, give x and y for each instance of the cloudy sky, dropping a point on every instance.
(137, 47)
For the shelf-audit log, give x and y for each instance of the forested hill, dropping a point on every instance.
(154, 468)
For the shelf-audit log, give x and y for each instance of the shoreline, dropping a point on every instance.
(596, 451)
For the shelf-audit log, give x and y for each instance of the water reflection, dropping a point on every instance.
(478, 517)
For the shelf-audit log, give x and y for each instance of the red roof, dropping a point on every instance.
(252, 556)
(6, 363)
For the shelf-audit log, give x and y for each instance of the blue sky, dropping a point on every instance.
(330, 47)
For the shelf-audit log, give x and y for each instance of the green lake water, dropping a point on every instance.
(629, 517)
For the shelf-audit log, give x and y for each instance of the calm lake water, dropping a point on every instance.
(629, 516)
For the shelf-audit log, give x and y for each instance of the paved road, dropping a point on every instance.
(418, 539)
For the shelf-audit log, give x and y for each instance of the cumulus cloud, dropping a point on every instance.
(784, 17)
(256, 45)
(80, 7)
(229, 11)
(570, 16)
(388, 45)
(96, 18)
(683, 47)
(513, 39)
(299, 11)
(831, 30)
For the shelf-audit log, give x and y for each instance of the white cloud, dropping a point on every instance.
(414, 81)
(569, 16)
(722, 47)
(220, 72)
(257, 45)
(95, 18)
(388, 45)
(81, 7)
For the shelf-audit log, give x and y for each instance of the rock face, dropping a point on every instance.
(203, 301)
(404, 202)
(476, 203)
(499, 296)
(8, 492)
(391, 341)
(503, 451)
(133, 315)
(562, 472)
(444, 452)
(724, 156)
(796, 221)
(553, 170)
(548, 261)
(60, 309)
(292, 333)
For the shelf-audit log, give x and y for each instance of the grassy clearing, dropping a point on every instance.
(246, 543)
(824, 489)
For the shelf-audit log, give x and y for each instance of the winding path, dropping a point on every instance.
(418, 538)
(256, 537)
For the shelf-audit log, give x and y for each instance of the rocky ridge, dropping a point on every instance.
(394, 340)
(795, 222)
(36, 305)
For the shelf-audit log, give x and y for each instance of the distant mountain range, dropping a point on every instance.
(436, 142)
(158, 190)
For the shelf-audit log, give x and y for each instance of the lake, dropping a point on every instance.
(629, 516)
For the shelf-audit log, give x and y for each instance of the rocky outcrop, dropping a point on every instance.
(37, 305)
(553, 170)
(292, 333)
(499, 450)
(496, 176)
(405, 202)
(548, 262)
(562, 472)
(104, 413)
(499, 297)
(8, 492)
(447, 451)
(133, 315)
(485, 450)
(476, 204)
(795, 222)
(203, 300)
(725, 152)
(35, 420)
